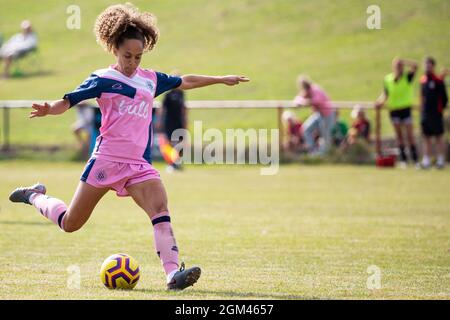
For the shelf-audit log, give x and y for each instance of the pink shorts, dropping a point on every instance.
(101, 173)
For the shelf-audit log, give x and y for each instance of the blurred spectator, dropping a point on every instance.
(18, 46)
(174, 115)
(157, 132)
(339, 132)
(323, 117)
(433, 101)
(293, 130)
(82, 128)
(162, 147)
(360, 127)
(398, 95)
(95, 128)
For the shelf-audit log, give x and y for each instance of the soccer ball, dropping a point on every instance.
(120, 271)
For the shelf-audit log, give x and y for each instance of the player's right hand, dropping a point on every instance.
(40, 110)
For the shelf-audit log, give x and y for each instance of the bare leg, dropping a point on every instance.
(400, 141)
(70, 218)
(426, 161)
(441, 149)
(151, 196)
(410, 134)
(428, 146)
(78, 134)
(411, 141)
(83, 203)
(440, 145)
(8, 61)
(399, 133)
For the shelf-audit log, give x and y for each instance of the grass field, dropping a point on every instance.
(270, 41)
(308, 232)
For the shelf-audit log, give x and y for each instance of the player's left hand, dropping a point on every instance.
(233, 80)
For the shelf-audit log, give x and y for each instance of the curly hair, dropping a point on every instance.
(125, 21)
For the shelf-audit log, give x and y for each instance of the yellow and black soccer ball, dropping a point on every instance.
(120, 271)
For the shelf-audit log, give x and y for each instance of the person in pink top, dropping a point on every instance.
(323, 118)
(121, 160)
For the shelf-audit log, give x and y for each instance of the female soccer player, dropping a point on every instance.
(121, 159)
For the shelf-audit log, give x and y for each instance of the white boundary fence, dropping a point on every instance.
(278, 105)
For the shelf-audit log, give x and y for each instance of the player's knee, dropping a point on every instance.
(70, 227)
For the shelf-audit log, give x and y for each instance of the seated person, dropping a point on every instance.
(322, 119)
(339, 132)
(18, 46)
(294, 131)
(360, 127)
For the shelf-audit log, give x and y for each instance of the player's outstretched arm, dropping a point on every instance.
(192, 81)
(56, 107)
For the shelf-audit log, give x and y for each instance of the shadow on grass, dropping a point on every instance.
(230, 294)
(30, 74)
(27, 223)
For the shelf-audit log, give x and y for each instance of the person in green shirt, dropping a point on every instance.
(398, 97)
(339, 131)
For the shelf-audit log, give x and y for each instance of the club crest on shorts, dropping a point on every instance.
(100, 175)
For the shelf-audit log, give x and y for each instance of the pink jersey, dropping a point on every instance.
(319, 101)
(126, 103)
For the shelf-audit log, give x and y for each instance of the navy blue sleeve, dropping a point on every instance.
(165, 82)
(89, 89)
